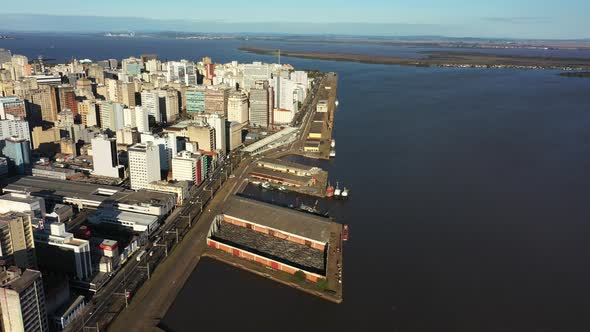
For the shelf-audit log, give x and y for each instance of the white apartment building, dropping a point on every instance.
(144, 165)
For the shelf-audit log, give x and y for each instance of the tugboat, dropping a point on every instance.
(345, 193)
(345, 233)
(330, 191)
(337, 191)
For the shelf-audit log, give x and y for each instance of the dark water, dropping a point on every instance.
(469, 207)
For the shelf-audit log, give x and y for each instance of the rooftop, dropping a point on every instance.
(19, 281)
(288, 220)
(284, 163)
(136, 218)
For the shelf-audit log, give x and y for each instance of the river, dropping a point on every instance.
(469, 200)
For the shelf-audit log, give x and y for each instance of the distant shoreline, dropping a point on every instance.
(442, 59)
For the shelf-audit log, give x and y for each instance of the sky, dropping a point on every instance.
(541, 19)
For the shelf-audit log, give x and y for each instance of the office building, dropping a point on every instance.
(144, 165)
(43, 101)
(66, 98)
(141, 119)
(204, 136)
(234, 135)
(58, 250)
(216, 99)
(195, 100)
(5, 56)
(17, 246)
(41, 137)
(150, 101)
(254, 72)
(12, 108)
(22, 301)
(217, 122)
(261, 105)
(23, 202)
(105, 159)
(172, 105)
(237, 107)
(87, 111)
(128, 136)
(15, 128)
(186, 166)
(111, 115)
(181, 71)
(167, 146)
(18, 151)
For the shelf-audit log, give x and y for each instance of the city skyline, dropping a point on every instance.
(454, 18)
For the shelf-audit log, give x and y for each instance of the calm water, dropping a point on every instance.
(469, 208)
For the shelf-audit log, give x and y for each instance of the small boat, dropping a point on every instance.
(332, 153)
(345, 193)
(282, 188)
(337, 103)
(345, 233)
(266, 185)
(329, 191)
(333, 143)
(337, 191)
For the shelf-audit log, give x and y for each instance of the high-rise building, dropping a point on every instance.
(126, 93)
(105, 161)
(186, 166)
(3, 166)
(44, 100)
(167, 146)
(256, 71)
(172, 104)
(66, 98)
(150, 101)
(237, 107)
(5, 56)
(195, 100)
(217, 122)
(12, 108)
(216, 99)
(22, 301)
(23, 202)
(182, 71)
(15, 128)
(17, 246)
(260, 105)
(20, 66)
(144, 165)
(204, 136)
(285, 93)
(18, 151)
(141, 119)
(58, 250)
(234, 135)
(132, 66)
(87, 111)
(128, 136)
(111, 115)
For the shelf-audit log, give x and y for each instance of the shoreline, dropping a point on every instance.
(441, 59)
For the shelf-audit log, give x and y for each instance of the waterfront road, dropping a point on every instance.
(154, 298)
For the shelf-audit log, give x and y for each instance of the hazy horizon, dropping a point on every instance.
(539, 28)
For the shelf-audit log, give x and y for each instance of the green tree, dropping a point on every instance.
(322, 284)
(300, 276)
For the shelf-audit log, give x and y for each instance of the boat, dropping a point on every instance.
(333, 143)
(336, 103)
(345, 233)
(332, 153)
(330, 191)
(310, 209)
(282, 188)
(266, 185)
(345, 193)
(337, 191)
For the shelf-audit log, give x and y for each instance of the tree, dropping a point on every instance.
(322, 284)
(300, 276)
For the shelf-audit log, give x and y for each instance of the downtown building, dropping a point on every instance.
(22, 300)
(144, 165)
(105, 160)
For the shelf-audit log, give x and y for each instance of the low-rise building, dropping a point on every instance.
(137, 222)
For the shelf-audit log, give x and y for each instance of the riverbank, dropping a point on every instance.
(441, 59)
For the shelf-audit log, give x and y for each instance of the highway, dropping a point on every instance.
(110, 299)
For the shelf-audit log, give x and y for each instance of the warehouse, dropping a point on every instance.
(281, 238)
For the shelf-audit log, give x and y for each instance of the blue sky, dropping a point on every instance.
(475, 18)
